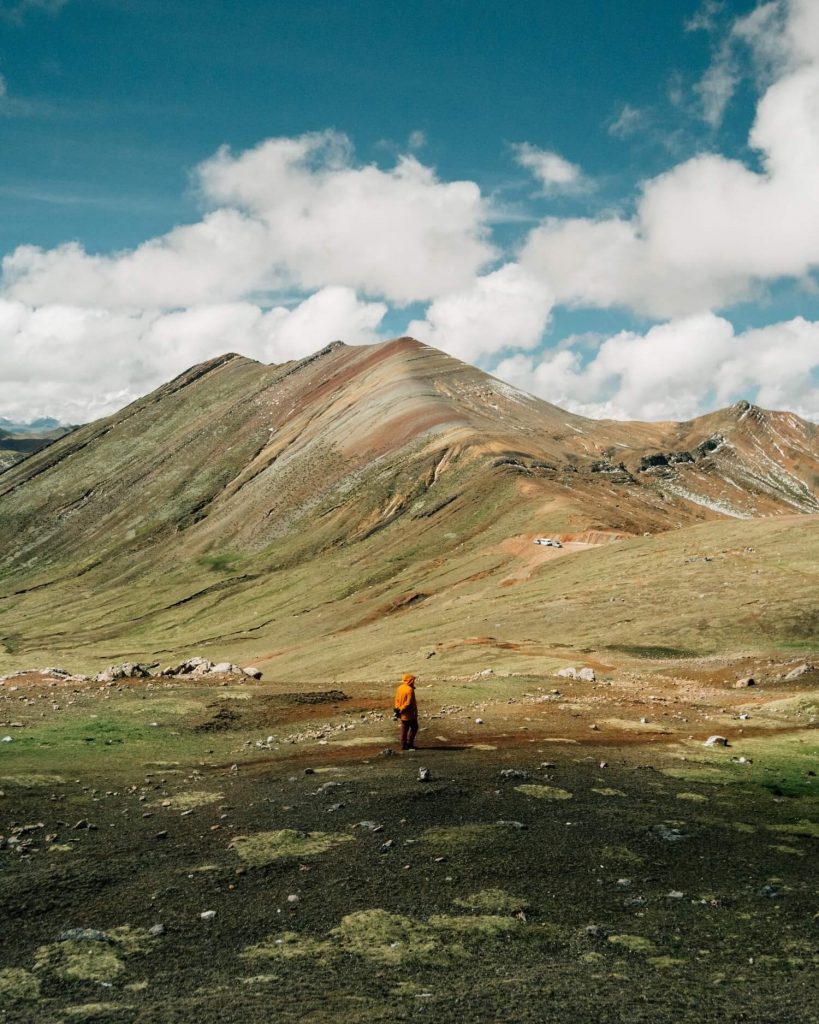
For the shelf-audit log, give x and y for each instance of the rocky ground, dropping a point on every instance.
(217, 848)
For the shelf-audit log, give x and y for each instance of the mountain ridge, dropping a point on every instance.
(351, 478)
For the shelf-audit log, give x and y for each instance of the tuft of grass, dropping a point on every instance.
(262, 848)
(18, 985)
(541, 792)
(492, 901)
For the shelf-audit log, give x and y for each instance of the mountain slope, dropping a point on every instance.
(240, 498)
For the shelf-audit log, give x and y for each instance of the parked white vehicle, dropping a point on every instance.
(548, 542)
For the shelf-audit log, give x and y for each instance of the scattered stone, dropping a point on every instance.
(567, 673)
(252, 672)
(595, 728)
(387, 846)
(292, 898)
(675, 894)
(127, 670)
(7, 739)
(597, 931)
(643, 720)
(424, 775)
(370, 826)
(207, 915)
(624, 882)
(162, 835)
(478, 721)
(156, 930)
(309, 771)
(798, 672)
(741, 684)
(388, 752)
(587, 675)
(604, 764)
(771, 892)
(226, 668)
(518, 825)
(716, 741)
(514, 773)
(744, 717)
(667, 833)
(84, 823)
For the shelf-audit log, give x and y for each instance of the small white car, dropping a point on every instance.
(547, 542)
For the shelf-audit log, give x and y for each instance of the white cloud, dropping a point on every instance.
(628, 122)
(507, 308)
(710, 230)
(81, 362)
(553, 171)
(680, 369)
(291, 213)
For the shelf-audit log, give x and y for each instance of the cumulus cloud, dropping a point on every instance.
(554, 172)
(504, 309)
(679, 369)
(84, 362)
(290, 213)
(710, 230)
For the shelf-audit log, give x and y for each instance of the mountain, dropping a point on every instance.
(274, 510)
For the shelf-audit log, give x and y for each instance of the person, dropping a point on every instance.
(407, 711)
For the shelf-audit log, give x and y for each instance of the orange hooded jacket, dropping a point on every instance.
(405, 699)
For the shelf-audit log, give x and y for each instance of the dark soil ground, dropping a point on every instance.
(600, 894)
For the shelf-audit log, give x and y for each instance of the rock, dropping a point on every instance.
(309, 771)
(388, 752)
(156, 930)
(424, 775)
(370, 826)
(567, 673)
(387, 846)
(744, 717)
(716, 741)
(84, 823)
(798, 672)
(252, 672)
(604, 764)
(512, 824)
(478, 721)
(7, 739)
(127, 670)
(226, 668)
(596, 931)
(643, 720)
(292, 898)
(429, 654)
(487, 672)
(587, 675)
(595, 728)
(770, 891)
(740, 684)
(332, 808)
(207, 915)
(667, 833)
(84, 935)
(675, 894)
(624, 883)
(513, 773)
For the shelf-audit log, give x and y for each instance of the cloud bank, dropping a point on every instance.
(300, 243)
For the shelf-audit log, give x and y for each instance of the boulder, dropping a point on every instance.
(587, 675)
(127, 670)
(798, 672)
(253, 672)
(226, 668)
(740, 684)
(716, 741)
(567, 673)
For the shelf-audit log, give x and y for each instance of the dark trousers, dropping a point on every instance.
(408, 732)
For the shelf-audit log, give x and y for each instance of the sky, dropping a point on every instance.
(612, 204)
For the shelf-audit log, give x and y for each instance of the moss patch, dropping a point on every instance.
(696, 798)
(391, 938)
(266, 847)
(620, 855)
(633, 943)
(608, 792)
(17, 985)
(191, 800)
(287, 946)
(80, 961)
(492, 901)
(544, 792)
(463, 837)
(486, 925)
(808, 829)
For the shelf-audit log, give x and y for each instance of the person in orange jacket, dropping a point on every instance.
(406, 710)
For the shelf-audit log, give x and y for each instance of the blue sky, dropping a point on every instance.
(555, 115)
